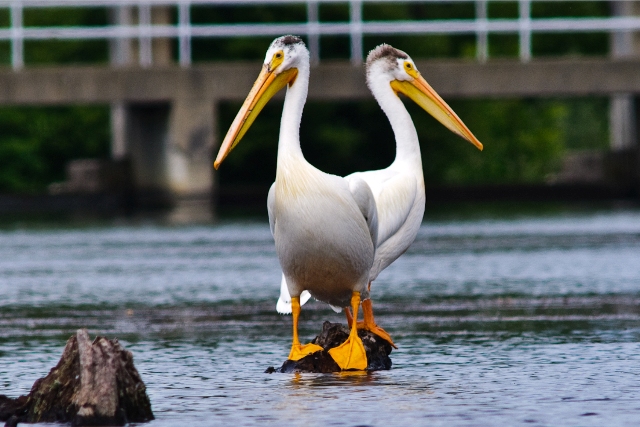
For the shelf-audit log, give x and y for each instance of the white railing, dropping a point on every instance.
(144, 31)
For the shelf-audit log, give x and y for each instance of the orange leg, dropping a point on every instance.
(370, 324)
(351, 354)
(347, 313)
(298, 351)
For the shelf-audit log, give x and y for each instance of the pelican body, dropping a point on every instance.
(324, 226)
(399, 189)
(322, 239)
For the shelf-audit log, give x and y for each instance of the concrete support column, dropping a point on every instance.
(622, 122)
(622, 117)
(192, 132)
(171, 148)
(191, 140)
(123, 53)
(147, 135)
(170, 144)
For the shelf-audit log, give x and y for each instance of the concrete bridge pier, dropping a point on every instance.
(624, 114)
(169, 145)
(192, 133)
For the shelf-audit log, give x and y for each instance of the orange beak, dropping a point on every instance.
(267, 84)
(425, 96)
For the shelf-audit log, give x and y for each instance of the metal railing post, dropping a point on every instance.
(524, 23)
(312, 31)
(145, 53)
(17, 42)
(355, 30)
(482, 36)
(184, 31)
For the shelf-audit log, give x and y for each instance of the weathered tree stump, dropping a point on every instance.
(332, 335)
(93, 384)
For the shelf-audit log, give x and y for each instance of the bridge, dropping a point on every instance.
(164, 114)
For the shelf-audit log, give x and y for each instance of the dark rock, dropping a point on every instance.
(9, 407)
(332, 335)
(94, 383)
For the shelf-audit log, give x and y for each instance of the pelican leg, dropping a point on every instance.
(298, 351)
(351, 354)
(349, 316)
(370, 324)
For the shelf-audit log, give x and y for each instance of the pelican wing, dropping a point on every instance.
(395, 201)
(283, 306)
(395, 194)
(271, 203)
(366, 202)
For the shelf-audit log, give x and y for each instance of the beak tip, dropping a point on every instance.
(216, 165)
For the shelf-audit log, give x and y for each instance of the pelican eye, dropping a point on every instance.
(276, 60)
(408, 65)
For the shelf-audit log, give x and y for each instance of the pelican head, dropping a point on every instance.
(388, 65)
(286, 57)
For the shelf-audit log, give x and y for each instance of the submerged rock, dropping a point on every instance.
(332, 335)
(94, 383)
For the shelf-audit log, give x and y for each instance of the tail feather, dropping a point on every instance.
(284, 302)
(335, 308)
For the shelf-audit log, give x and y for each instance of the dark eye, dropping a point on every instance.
(408, 65)
(278, 55)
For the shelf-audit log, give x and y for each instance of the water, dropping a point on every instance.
(521, 321)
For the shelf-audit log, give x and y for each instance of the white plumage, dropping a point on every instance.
(399, 189)
(324, 226)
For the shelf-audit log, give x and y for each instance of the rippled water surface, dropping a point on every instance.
(521, 321)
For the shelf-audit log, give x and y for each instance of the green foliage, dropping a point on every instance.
(586, 124)
(524, 140)
(332, 135)
(20, 165)
(253, 161)
(36, 143)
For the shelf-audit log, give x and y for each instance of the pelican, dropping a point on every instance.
(399, 189)
(324, 226)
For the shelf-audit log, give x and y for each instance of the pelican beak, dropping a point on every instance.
(267, 85)
(423, 94)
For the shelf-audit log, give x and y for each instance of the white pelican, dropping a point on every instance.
(399, 189)
(324, 226)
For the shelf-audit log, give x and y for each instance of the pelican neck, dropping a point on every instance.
(294, 100)
(407, 143)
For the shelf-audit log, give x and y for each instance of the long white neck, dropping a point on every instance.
(407, 144)
(294, 100)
